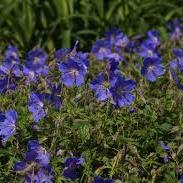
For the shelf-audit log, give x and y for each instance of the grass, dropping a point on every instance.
(58, 23)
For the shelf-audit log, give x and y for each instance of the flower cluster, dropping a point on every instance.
(110, 47)
(36, 164)
(152, 65)
(46, 82)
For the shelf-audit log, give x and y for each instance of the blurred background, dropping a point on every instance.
(59, 23)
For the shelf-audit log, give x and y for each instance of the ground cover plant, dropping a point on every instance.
(113, 114)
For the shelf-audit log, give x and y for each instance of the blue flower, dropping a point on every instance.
(36, 164)
(101, 49)
(114, 57)
(101, 86)
(121, 91)
(62, 54)
(83, 58)
(121, 42)
(176, 29)
(178, 52)
(66, 54)
(116, 38)
(112, 66)
(9, 75)
(35, 65)
(134, 44)
(102, 180)
(148, 49)
(154, 37)
(4, 72)
(71, 166)
(73, 72)
(152, 69)
(167, 158)
(36, 58)
(54, 96)
(8, 123)
(30, 75)
(176, 67)
(37, 153)
(164, 146)
(11, 57)
(111, 35)
(39, 176)
(36, 107)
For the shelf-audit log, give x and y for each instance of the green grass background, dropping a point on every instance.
(58, 23)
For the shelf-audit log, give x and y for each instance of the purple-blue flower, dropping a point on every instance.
(116, 38)
(167, 158)
(36, 58)
(73, 72)
(101, 86)
(30, 75)
(66, 54)
(83, 58)
(121, 42)
(152, 69)
(36, 164)
(8, 122)
(10, 73)
(114, 57)
(176, 67)
(35, 65)
(178, 52)
(36, 107)
(6, 82)
(101, 49)
(122, 91)
(99, 179)
(148, 49)
(62, 54)
(154, 37)
(53, 97)
(71, 166)
(164, 146)
(111, 35)
(176, 29)
(112, 66)
(39, 176)
(11, 57)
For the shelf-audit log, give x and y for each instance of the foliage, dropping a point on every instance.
(58, 23)
(125, 143)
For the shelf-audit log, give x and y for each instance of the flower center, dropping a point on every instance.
(74, 72)
(102, 50)
(151, 68)
(106, 84)
(31, 74)
(36, 60)
(150, 53)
